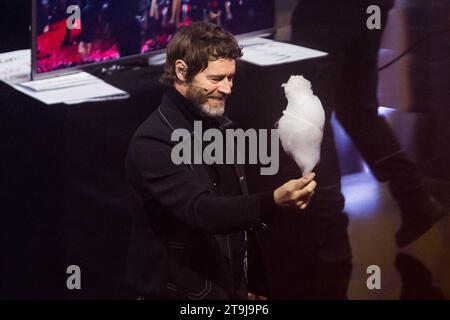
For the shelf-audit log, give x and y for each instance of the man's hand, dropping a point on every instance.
(296, 193)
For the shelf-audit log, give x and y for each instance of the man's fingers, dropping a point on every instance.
(310, 197)
(304, 202)
(293, 191)
(300, 183)
(311, 186)
(305, 192)
(307, 189)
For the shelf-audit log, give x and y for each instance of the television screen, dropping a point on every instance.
(72, 33)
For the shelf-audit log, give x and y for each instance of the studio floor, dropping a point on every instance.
(419, 271)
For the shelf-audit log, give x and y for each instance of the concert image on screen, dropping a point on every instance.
(71, 33)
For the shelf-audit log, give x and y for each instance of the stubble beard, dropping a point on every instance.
(200, 100)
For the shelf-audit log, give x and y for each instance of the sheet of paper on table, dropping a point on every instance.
(15, 66)
(266, 52)
(15, 69)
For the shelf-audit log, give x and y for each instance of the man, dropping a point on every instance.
(188, 239)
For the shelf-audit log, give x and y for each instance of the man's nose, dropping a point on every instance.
(225, 86)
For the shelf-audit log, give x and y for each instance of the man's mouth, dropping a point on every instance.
(217, 98)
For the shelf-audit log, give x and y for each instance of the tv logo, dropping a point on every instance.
(74, 20)
(374, 280)
(374, 21)
(74, 280)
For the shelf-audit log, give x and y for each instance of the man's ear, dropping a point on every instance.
(181, 70)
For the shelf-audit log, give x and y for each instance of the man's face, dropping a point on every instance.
(210, 88)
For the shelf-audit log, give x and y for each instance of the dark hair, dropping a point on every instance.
(196, 45)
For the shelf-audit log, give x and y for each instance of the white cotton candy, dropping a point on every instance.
(301, 126)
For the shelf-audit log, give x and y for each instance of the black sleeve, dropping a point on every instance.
(178, 190)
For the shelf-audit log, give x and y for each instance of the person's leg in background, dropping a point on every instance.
(357, 110)
(350, 85)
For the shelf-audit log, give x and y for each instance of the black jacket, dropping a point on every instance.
(188, 239)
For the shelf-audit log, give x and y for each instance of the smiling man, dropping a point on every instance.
(211, 87)
(188, 237)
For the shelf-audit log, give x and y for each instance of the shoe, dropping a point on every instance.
(419, 213)
(417, 280)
